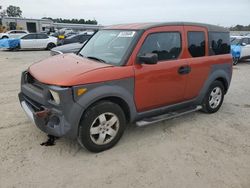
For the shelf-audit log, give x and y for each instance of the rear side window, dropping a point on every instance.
(166, 45)
(219, 43)
(196, 43)
(42, 36)
(29, 36)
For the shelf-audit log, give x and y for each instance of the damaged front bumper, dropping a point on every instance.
(54, 119)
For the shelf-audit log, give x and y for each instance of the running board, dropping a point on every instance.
(170, 115)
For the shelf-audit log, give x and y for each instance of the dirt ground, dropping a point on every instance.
(196, 150)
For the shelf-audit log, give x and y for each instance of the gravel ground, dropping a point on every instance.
(195, 150)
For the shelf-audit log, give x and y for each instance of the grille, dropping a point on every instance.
(35, 105)
(31, 80)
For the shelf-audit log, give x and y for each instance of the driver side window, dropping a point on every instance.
(166, 45)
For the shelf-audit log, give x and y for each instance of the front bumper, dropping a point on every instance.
(54, 119)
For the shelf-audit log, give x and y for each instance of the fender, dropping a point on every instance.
(219, 71)
(123, 89)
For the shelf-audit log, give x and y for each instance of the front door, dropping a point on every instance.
(28, 41)
(163, 83)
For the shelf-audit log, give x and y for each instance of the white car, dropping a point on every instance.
(13, 34)
(240, 48)
(37, 41)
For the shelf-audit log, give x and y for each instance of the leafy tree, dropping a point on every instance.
(75, 21)
(240, 28)
(13, 11)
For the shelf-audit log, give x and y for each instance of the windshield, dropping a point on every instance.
(235, 41)
(108, 46)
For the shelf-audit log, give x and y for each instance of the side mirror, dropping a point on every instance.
(149, 58)
(243, 44)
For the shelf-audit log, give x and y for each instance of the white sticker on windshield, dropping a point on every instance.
(126, 34)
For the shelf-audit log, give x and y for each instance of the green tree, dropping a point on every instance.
(13, 11)
(76, 21)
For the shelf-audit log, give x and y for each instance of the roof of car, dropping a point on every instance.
(240, 36)
(145, 26)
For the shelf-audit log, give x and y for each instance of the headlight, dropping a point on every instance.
(55, 96)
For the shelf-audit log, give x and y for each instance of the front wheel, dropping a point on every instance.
(214, 97)
(102, 126)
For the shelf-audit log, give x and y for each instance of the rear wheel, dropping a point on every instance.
(214, 97)
(50, 46)
(235, 60)
(101, 126)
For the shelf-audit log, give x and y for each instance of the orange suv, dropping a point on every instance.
(142, 73)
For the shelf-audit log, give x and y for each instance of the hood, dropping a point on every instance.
(64, 70)
(68, 48)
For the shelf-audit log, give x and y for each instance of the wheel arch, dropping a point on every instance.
(117, 100)
(117, 94)
(222, 73)
(224, 82)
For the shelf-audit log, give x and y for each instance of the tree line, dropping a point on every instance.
(74, 21)
(15, 11)
(240, 28)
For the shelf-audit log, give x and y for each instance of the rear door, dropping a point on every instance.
(197, 50)
(163, 83)
(42, 40)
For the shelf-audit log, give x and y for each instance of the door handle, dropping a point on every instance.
(184, 69)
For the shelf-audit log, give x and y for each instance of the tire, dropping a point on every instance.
(214, 97)
(97, 130)
(17, 48)
(50, 46)
(235, 60)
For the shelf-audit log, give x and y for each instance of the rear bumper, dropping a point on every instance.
(57, 120)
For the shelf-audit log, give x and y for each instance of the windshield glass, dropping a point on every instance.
(108, 46)
(235, 41)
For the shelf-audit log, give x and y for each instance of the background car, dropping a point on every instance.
(13, 34)
(37, 41)
(67, 48)
(240, 48)
(75, 38)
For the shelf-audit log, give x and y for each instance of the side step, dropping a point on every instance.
(170, 115)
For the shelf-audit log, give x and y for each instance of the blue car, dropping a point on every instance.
(240, 48)
(9, 43)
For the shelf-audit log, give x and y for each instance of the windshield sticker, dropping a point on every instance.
(126, 34)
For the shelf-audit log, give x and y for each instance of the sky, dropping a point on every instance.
(107, 12)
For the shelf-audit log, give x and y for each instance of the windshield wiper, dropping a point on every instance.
(96, 58)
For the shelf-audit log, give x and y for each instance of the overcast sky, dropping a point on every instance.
(107, 12)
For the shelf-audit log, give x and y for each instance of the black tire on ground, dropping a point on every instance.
(208, 105)
(92, 119)
(50, 46)
(17, 48)
(235, 60)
